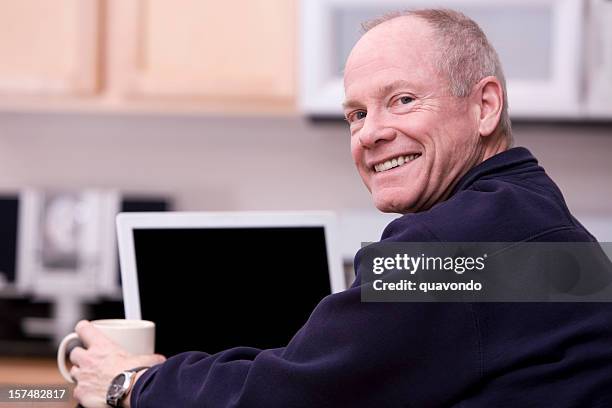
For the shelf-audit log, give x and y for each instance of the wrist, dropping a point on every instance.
(125, 402)
(121, 386)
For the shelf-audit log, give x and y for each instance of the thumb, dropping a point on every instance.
(150, 359)
(160, 358)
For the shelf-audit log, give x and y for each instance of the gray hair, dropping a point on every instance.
(465, 55)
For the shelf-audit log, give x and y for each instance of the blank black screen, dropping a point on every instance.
(213, 289)
(9, 215)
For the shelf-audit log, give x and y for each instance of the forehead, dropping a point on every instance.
(399, 49)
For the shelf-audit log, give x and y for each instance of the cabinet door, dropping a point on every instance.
(204, 50)
(49, 47)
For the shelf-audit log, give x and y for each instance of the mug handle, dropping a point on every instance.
(67, 344)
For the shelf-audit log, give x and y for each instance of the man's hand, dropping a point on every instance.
(95, 367)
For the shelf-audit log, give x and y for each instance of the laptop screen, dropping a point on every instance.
(210, 289)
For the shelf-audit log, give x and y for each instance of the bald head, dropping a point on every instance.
(463, 56)
(406, 37)
(404, 42)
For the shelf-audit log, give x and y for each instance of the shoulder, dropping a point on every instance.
(494, 209)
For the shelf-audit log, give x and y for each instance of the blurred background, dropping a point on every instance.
(138, 105)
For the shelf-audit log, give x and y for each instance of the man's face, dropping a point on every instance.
(410, 139)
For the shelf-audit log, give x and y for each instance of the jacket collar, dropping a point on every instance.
(510, 160)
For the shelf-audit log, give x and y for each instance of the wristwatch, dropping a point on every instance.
(121, 385)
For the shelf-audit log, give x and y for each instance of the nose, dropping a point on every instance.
(374, 131)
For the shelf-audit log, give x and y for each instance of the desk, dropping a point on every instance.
(32, 371)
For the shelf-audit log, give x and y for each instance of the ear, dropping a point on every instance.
(489, 97)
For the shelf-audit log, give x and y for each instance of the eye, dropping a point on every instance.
(405, 100)
(401, 104)
(355, 116)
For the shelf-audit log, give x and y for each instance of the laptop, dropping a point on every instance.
(216, 280)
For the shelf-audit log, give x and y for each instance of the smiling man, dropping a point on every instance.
(430, 136)
(425, 103)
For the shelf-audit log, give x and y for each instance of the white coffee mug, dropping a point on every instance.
(135, 336)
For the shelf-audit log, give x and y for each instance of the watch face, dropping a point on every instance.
(119, 380)
(117, 387)
(114, 390)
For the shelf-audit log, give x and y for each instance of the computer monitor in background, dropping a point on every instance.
(67, 242)
(9, 214)
(212, 281)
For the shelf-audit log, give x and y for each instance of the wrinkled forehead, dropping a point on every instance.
(401, 43)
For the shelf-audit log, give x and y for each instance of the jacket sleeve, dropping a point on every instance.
(348, 353)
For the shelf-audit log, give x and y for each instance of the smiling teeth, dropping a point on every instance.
(396, 162)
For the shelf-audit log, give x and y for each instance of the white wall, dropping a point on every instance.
(206, 163)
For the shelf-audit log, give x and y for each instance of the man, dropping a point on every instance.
(430, 135)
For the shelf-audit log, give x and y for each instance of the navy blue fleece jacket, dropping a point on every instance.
(354, 354)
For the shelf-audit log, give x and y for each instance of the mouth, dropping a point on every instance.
(395, 162)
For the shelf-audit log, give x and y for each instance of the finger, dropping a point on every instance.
(160, 358)
(89, 334)
(76, 393)
(72, 344)
(74, 373)
(152, 359)
(77, 355)
(149, 360)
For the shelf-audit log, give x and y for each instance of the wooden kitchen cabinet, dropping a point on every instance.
(49, 47)
(208, 49)
(148, 55)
